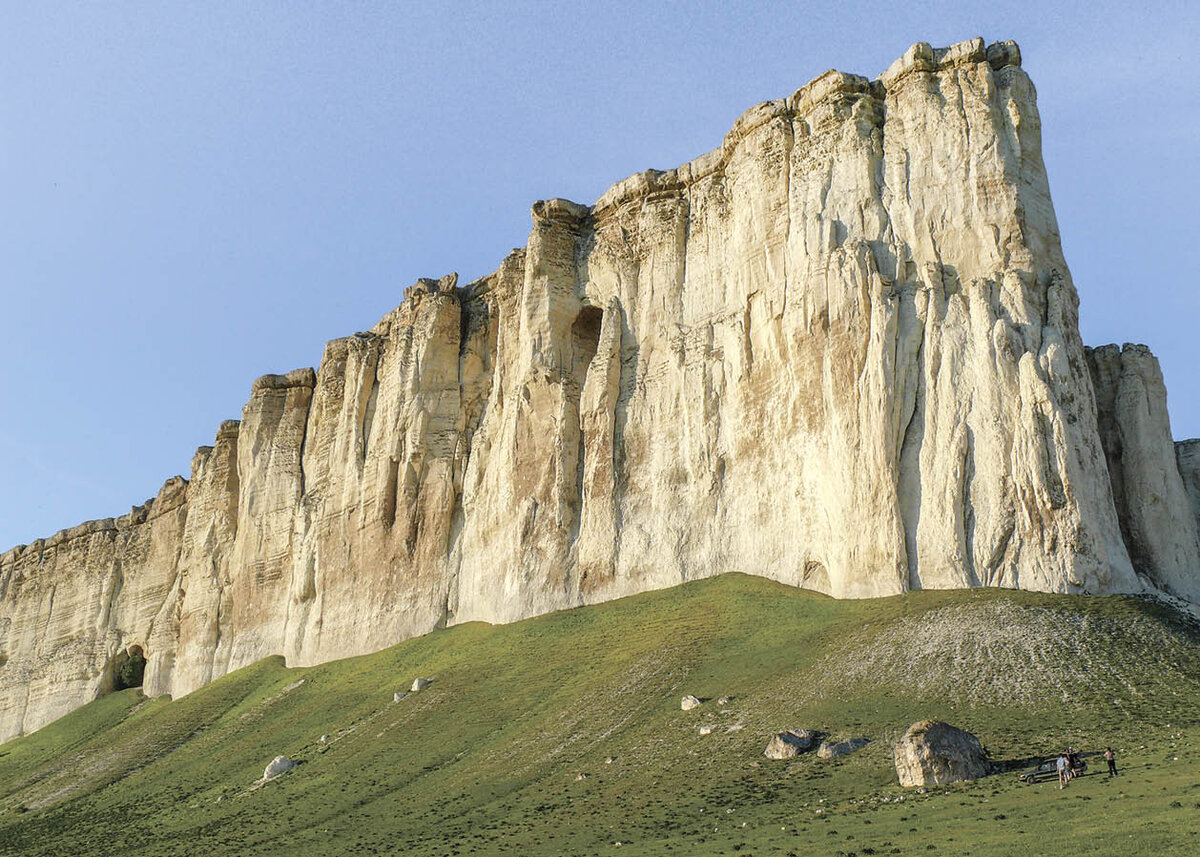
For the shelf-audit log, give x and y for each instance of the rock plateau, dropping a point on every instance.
(840, 351)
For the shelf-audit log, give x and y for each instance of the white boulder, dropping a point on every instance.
(278, 765)
(933, 753)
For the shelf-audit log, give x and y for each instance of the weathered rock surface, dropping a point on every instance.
(1187, 454)
(791, 743)
(1157, 516)
(278, 765)
(840, 351)
(933, 753)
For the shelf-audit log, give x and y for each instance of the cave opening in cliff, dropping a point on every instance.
(129, 668)
(585, 338)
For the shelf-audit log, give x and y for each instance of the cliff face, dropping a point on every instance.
(1159, 519)
(840, 351)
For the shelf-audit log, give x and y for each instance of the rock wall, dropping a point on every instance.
(840, 351)
(1187, 453)
(1158, 518)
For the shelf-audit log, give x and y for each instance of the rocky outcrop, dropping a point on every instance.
(1158, 517)
(933, 753)
(840, 351)
(1187, 454)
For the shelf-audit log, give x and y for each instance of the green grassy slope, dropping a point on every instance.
(489, 758)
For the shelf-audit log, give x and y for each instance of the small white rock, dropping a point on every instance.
(689, 702)
(278, 765)
(706, 730)
(398, 695)
(419, 684)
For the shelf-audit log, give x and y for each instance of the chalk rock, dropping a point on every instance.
(1187, 454)
(706, 730)
(689, 702)
(933, 753)
(419, 684)
(851, 322)
(278, 765)
(1157, 515)
(790, 743)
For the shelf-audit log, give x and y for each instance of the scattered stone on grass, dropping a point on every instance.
(790, 743)
(933, 753)
(277, 766)
(689, 702)
(706, 730)
(398, 695)
(420, 684)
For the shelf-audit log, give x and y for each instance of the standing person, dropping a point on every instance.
(1062, 771)
(1074, 768)
(1111, 758)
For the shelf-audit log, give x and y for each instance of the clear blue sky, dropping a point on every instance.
(194, 194)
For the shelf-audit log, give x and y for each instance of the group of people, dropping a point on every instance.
(1070, 765)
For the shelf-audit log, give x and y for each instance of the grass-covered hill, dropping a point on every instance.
(563, 735)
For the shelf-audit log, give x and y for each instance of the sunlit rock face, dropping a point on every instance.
(840, 351)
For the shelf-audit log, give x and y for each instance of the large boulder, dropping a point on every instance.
(834, 749)
(935, 753)
(278, 765)
(790, 743)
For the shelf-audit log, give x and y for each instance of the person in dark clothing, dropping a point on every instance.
(1111, 758)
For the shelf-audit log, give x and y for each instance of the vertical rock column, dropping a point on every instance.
(380, 460)
(271, 482)
(1012, 487)
(523, 509)
(1187, 454)
(188, 627)
(1156, 513)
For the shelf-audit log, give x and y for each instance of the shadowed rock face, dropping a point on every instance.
(840, 351)
(1149, 480)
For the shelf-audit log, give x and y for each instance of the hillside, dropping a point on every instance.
(487, 759)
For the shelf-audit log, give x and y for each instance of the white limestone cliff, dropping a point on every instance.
(840, 351)
(1158, 517)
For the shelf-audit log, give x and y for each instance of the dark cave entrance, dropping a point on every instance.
(585, 337)
(128, 668)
